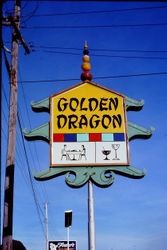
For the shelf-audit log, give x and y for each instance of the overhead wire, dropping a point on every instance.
(96, 49)
(25, 105)
(93, 26)
(103, 55)
(35, 47)
(60, 50)
(35, 150)
(30, 152)
(97, 77)
(31, 14)
(99, 11)
(34, 144)
(39, 209)
(34, 189)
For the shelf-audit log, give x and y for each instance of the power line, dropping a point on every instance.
(96, 49)
(36, 47)
(34, 144)
(99, 11)
(97, 77)
(39, 209)
(94, 26)
(102, 55)
(34, 160)
(32, 13)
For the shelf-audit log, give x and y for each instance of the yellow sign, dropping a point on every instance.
(85, 118)
(88, 107)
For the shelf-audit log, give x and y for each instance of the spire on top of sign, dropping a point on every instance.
(86, 75)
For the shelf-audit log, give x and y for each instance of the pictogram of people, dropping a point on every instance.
(64, 152)
(73, 154)
(83, 153)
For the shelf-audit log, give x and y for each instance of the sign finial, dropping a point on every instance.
(86, 75)
(86, 45)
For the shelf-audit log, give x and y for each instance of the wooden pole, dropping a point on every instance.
(91, 219)
(10, 161)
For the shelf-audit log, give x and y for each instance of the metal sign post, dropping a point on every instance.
(91, 219)
(68, 237)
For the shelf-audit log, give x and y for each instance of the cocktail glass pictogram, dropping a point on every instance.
(116, 146)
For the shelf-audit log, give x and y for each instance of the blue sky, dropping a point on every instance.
(130, 214)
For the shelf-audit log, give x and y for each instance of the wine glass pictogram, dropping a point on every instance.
(106, 152)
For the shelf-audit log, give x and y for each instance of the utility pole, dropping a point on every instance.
(14, 21)
(46, 224)
(7, 240)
